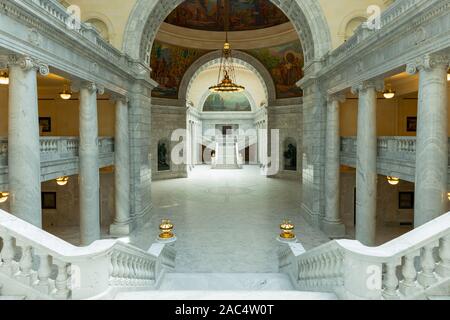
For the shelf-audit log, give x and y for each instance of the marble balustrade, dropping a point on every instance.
(396, 156)
(408, 267)
(50, 268)
(59, 156)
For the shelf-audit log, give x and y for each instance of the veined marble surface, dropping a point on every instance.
(226, 220)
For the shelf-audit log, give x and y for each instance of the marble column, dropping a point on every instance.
(23, 139)
(89, 165)
(332, 224)
(121, 225)
(432, 138)
(366, 159)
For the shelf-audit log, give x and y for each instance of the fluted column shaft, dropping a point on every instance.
(432, 139)
(332, 224)
(366, 168)
(23, 139)
(89, 165)
(121, 224)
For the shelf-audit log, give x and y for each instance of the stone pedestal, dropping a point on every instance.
(366, 159)
(432, 139)
(89, 163)
(121, 225)
(23, 139)
(331, 223)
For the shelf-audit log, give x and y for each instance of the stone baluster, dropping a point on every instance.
(44, 272)
(366, 154)
(443, 268)
(62, 279)
(432, 138)
(426, 277)
(7, 256)
(332, 224)
(89, 181)
(390, 281)
(122, 221)
(26, 264)
(408, 286)
(23, 135)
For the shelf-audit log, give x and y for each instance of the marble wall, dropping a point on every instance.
(166, 118)
(64, 114)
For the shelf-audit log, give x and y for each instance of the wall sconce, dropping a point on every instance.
(389, 93)
(448, 195)
(393, 180)
(4, 78)
(448, 75)
(166, 228)
(4, 197)
(287, 231)
(62, 181)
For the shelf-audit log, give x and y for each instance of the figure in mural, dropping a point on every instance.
(285, 63)
(222, 102)
(244, 15)
(290, 158)
(163, 157)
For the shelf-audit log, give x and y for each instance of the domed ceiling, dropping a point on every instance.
(209, 15)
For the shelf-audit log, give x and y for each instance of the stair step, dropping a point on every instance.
(225, 295)
(12, 298)
(438, 297)
(226, 281)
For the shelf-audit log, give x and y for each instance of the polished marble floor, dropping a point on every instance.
(227, 220)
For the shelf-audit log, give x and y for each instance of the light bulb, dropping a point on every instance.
(4, 78)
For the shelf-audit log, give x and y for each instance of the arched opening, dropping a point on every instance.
(228, 133)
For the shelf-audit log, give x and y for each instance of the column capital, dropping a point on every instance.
(91, 86)
(377, 84)
(115, 97)
(25, 62)
(339, 97)
(428, 62)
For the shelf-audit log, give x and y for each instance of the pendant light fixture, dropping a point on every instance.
(389, 93)
(393, 180)
(4, 197)
(4, 78)
(66, 94)
(226, 81)
(62, 181)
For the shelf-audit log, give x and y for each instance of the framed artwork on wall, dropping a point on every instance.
(411, 124)
(45, 124)
(406, 200)
(48, 200)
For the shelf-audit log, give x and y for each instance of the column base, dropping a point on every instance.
(333, 229)
(119, 229)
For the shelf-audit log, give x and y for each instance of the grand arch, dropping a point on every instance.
(148, 15)
(241, 58)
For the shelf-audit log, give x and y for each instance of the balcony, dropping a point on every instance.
(396, 156)
(59, 157)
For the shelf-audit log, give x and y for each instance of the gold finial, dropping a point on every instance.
(166, 228)
(287, 230)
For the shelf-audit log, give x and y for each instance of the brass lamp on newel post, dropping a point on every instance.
(166, 232)
(287, 232)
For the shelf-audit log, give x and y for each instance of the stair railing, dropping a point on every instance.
(405, 268)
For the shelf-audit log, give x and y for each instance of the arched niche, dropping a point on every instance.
(290, 154)
(163, 155)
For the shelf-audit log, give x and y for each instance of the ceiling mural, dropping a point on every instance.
(285, 64)
(227, 101)
(169, 63)
(244, 15)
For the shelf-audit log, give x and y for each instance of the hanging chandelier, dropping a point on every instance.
(226, 81)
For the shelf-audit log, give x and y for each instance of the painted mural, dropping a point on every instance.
(223, 102)
(285, 63)
(244, 15)
(169, 63)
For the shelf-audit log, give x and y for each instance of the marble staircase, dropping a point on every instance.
(226, 286)
(226, 156)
